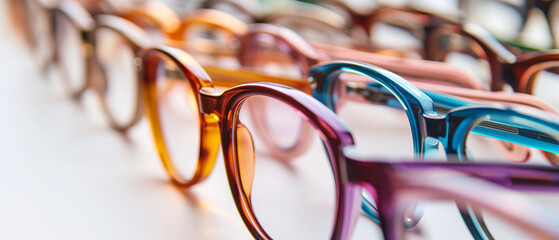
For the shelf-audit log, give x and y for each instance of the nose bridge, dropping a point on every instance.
(209, 101)
(436, 126)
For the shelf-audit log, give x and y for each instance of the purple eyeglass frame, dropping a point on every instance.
(382, 179)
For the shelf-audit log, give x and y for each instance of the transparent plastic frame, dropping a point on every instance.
(449, 129)
(351, 172)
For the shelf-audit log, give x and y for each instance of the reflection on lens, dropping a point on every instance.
(499, 17)
(71, 54)
(441, 220)
(178, 114)
(375, 117)
(293, 200)
(276, 119)
(315, 31)
(465, 53)
(501, 228)
(545, 85)
(273, 57)
(481, 147)
(212, 45)
(116, 58)
(387, 36)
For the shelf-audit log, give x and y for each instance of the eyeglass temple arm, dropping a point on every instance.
(518, 134)
(520, 99)
(230, 78)
(373, 92)
(460, 180)
(484, 37)
(519, 177)
(410, 69)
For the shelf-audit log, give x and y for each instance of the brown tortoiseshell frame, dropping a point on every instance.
(516, 70)
(209, 135)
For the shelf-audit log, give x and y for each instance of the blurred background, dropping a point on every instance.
(64, 174)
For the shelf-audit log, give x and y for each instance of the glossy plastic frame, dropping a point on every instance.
(304, 11)
(545, 6)
(139, 39)
(20, 14)
(414, 69)
(513, 67)
(428, 180)
(306, 55)
(95, 78)
(506, 67)
(423, 74)
(426, 121)
(218, 118)
(222, 78)
(310, 54)
(87, 17)
(450, 129)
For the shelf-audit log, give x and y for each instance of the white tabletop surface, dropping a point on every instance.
(64, 174)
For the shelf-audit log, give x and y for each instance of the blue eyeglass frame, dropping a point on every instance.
(450, 128)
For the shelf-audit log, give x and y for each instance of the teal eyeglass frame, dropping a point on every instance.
(449, 129)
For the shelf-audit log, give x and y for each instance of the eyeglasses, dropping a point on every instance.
(38, 20)
(182, 172)
(209, 20)
(438, 190)
(208, 34)
(515, 15)
(305, 54)
(474, 49)
(266, 190)
(89, 53)
(456, 130)
(307, 19)
(531, 73)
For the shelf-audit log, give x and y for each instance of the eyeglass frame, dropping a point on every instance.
(217, 119)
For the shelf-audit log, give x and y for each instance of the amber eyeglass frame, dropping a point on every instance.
(217, 115)
(198, 79)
